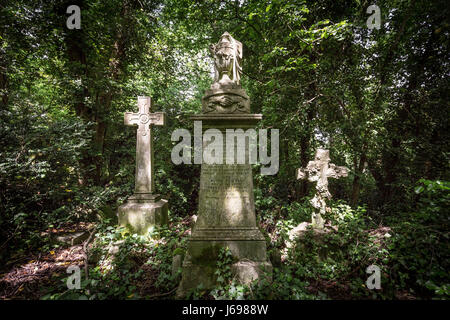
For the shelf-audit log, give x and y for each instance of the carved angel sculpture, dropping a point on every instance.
(227, 60)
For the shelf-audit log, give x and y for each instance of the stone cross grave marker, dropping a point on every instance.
(319, 171)
(144, 147)
(144, 208)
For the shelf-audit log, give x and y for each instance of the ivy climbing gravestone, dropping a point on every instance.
(144, 209)
(226, 213)
(319, 171)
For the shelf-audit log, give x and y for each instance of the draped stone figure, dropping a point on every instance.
(227, 55)
(226, 94)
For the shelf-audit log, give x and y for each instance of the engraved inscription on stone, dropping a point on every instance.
(225, 196)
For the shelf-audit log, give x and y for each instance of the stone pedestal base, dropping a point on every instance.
(297, 240)
(200, 264)
(142, 212)
(227, 101)
(243, 271)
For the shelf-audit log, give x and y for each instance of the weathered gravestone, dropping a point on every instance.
(319, 171)
(226, 214)
(144, 209)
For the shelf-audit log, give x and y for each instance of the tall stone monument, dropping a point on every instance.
(144, 209)
(226, 213)
(319, 171)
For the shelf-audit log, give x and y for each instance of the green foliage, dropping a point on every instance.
(38, 167)
(285, 285)
(340, 255)
(419, 252)
(375, 98)
(125, 266)
(227, 288)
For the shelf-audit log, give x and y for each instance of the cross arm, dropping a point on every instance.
(301, 174)
(158, 118)
(131, 118)
(337, 171)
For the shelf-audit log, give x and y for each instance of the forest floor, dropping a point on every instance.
(28, 275)
(32, 275)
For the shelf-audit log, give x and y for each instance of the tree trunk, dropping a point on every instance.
(4, 88)
(359, 168)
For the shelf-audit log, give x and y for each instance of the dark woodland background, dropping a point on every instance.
(378, 99)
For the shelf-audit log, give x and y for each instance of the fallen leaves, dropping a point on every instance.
(24, 281)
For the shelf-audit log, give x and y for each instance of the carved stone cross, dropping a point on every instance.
(319, 171)
(145, 184)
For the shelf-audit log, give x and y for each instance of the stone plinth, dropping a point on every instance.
(226, 216)
(226, 212)
(299, 240)
(142, 212)
(233, 100)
